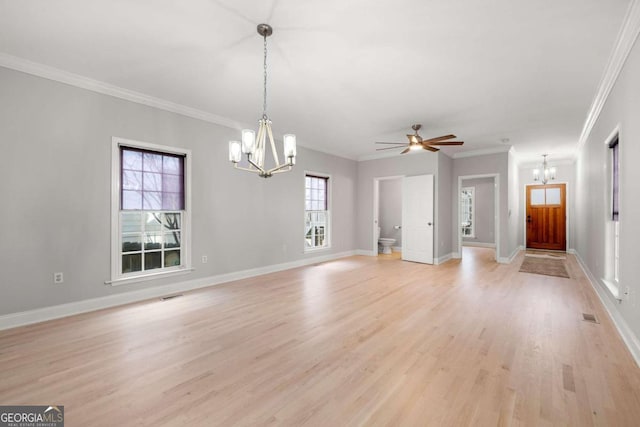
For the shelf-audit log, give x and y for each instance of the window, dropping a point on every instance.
(615, 202)
(316, 228)
(467, 214)
(611, 278)
(150, 226)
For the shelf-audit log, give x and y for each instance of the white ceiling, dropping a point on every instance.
(344, 74)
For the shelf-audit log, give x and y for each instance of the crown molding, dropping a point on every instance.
(623, 45)
(482, 152)
(76, 80)
(388, 154)
(55, 74)
(529, 164)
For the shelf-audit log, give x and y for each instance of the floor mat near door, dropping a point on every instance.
(549, 266)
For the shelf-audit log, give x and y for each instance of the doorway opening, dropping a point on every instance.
(387, 216)
(478, 218)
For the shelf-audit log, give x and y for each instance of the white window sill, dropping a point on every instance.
(149, 276)
(312, 250)
(612, 287)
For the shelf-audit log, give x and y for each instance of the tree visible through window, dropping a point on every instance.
(316, 212)
(467, 216)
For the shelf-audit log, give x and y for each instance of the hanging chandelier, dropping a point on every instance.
(255, 148)
(548, 173)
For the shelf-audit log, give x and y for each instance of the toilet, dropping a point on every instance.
(385, 243)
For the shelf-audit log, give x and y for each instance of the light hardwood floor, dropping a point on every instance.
(358, 341)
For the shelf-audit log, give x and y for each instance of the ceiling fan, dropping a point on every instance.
(416, 142)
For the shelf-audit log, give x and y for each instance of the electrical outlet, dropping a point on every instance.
(205, 259)
(58, 278)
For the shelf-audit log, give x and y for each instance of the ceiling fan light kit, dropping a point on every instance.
(416, 142)
(255, 147)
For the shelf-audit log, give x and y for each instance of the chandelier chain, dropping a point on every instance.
(264, 101)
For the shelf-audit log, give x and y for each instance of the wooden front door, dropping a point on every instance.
(546, 217)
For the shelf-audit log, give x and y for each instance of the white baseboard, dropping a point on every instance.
(505, 260)
(365, 252)
(479, 244)
(456, 255)
(443, 258)
(13, 320)
(629, 338)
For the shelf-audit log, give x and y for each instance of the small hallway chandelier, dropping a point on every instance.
(548, 173)
(255, 148)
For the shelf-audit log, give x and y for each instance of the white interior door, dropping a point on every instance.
(417, 219)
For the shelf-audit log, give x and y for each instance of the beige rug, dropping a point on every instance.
(548, 266)
(545, 254)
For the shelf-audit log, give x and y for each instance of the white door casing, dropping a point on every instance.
(417, 219)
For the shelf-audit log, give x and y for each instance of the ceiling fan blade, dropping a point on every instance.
(406, 150)
(430, 148)
(447, 143)
(396, 143)
(387, 148)
(440, 138)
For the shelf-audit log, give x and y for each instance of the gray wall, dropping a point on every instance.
(513, 210)
(565, 174)
(390, 212)
(484, 210)
(406, 165)
(481, 165)
(445, 190)
(622, 109)
(55, 171)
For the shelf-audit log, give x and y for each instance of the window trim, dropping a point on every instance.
(473, 212)
(329, 211)
(117, 278)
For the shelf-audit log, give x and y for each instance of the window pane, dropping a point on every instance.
(553, 196)
(131, 160)
(172, 183)
(537, 196)
(153, 221)
(152, 241)
(171, 258)
(152, 162)
(132, 243)
(131, 222)
(152, 182)
(172, 165)
(131, 263)
(152, 200)
(172, 221)
(172, 201)
(172, 240)
(131, 199)
(152, 260)
(131, 180)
